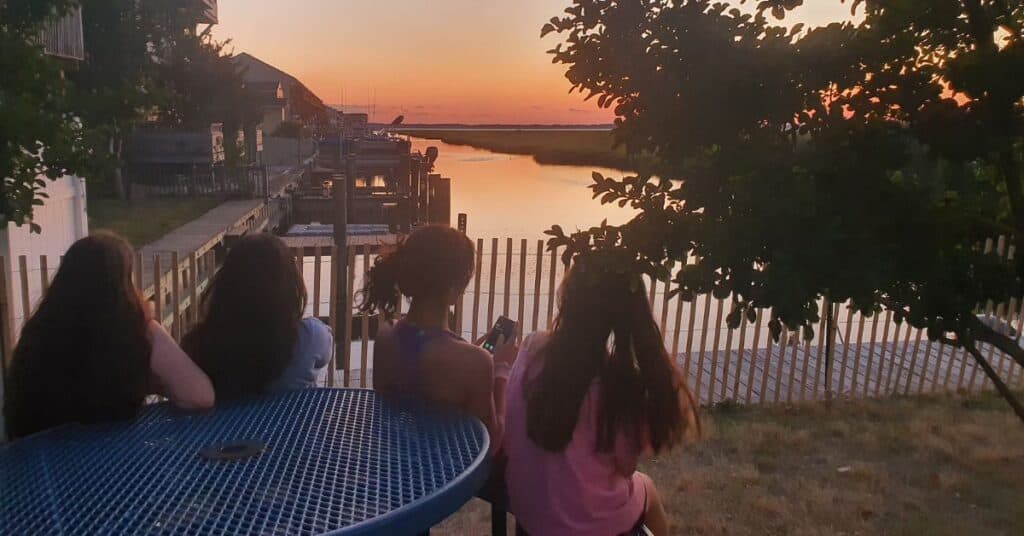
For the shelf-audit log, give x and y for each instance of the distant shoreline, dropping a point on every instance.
(496, 126)
(555, 146)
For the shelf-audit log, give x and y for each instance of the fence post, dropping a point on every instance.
(339, 194)
(6, 314)
(158, 294)
(829, 347)
(460, 301)
(506, 307)
(714, 353)
(703, 347)
(742, 348)
(476, 288)
(176, 295)
(192, 318)
(727, 359)
(26, 302)
(364, 324)
(317, 254)
(490, 288)
(551, 286)
(332, 364)
(753, 354)
(887, 323)
(44, 275)
(349, 307)
(871, 355)
(522, 288)
(536, 285)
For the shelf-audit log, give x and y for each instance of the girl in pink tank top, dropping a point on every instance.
(580, 416)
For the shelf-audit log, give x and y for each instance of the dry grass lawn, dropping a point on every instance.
(145, 220)
(912, 466)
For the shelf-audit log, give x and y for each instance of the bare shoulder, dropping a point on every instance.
(385, 346)
(471, 358)
(535, 340)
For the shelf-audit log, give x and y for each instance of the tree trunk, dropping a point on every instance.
(119, 187)
(982, 332)
(1011, 178)
(1000, 386)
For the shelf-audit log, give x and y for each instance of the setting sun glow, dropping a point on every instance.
(447, 61)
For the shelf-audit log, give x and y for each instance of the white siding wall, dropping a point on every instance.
(63, 221)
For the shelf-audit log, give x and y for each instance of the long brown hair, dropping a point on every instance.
(430, 263)
(639, 385)
(84, 355)
(251, 315)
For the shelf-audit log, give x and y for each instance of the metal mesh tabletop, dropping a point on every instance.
(319, 461)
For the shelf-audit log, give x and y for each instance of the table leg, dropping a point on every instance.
(499, 521)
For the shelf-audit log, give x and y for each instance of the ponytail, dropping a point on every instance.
(432, 263)
(381, 292)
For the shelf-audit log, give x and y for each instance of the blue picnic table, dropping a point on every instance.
(316, 461)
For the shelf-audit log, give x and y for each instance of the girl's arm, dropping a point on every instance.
(177, 377)
(479, 379)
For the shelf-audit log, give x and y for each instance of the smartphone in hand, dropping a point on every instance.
(504, 326)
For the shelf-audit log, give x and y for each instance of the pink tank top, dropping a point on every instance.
(579, 490)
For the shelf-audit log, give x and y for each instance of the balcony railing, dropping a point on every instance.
(63, 37)
(206, 11)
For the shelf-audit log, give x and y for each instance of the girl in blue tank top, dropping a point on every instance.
(419, 356)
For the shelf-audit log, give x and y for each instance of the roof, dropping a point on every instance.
(266, 91)
(251, 65)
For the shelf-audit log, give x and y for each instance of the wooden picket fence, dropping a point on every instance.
(872, 355)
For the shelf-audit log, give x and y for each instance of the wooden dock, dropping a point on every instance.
(200, 237)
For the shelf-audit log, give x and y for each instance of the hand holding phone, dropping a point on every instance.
(504, 329)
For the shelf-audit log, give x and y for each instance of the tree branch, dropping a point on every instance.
(982, 332)
(1000, 386)
(993, 225)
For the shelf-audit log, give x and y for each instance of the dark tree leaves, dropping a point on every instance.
(864, 161)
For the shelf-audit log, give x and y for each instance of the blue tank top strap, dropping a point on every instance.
(411, 341)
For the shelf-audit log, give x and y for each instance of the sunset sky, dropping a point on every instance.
(437, 61)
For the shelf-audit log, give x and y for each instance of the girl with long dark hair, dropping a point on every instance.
(252, 338)
(419, 356)
(585, 401)
(91, 351)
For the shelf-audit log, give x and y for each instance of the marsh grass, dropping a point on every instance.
(559, 147)
(939, 465)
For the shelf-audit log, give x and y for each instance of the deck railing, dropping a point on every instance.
(872, 356)
(195, 181)
(62, 37)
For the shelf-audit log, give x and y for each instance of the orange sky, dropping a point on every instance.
(467, 61)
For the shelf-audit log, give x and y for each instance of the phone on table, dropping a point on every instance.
(504, 326)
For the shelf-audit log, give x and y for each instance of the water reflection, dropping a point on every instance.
(513, 196)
